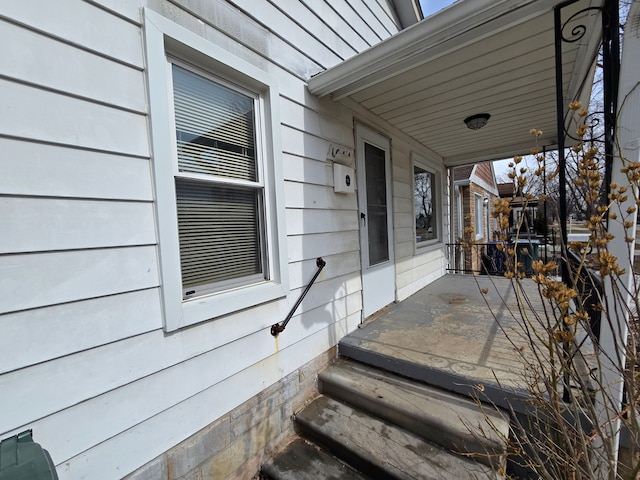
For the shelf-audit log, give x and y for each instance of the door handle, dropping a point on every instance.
(363, 217)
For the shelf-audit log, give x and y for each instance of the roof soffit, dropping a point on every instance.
(475, 56)
(460, 25)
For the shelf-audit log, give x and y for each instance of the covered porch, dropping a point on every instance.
(430, 387)
(518, 65)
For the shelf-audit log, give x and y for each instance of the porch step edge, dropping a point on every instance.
(454, 422)
(301, 460)
(378, 449)
(509, 399)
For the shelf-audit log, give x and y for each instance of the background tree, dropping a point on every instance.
(423, 190)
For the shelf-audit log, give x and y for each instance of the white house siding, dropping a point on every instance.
(415, 268)
(84, 359)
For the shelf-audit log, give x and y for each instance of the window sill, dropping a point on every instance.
(218, 304)
(427, 246)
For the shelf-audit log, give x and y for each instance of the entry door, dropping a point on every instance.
(376, 225)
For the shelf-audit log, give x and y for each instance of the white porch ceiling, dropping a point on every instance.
(477, 56)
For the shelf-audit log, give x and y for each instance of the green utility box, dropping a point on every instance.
(527, 251)
(23, 459)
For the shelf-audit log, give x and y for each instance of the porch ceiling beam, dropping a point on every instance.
(460, 25)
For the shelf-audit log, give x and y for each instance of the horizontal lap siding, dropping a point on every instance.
(415, 267)
(152, 437)
(68, 172)
(420, 271)
(37, 114)
(320, 223)
(229, 28)
(302, 38)
(73, 327)
(36, 280)
(39, 60)
(129, 9)
(152, 373)
(147, 375)
(357, 14)
(78, 259)
(337, 24)
(82, 25)
(377, 16)
(101, 384)
(44, 224)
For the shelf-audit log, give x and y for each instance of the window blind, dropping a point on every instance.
(214, 127)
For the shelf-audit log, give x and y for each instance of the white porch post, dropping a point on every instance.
(617, 294)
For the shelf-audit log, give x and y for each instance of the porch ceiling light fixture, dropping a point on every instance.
(476, 122)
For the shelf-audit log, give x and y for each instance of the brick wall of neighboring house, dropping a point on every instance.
(458, 234)
(467, 218)
(473, 259)
(235, 446)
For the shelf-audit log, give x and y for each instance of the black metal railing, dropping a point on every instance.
(277, 328)
(489, 259)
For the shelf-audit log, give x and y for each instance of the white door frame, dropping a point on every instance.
(378, 280)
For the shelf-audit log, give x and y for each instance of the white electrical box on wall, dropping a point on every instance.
(344, 179)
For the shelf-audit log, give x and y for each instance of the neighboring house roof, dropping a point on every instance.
(506, 190)
(482, 174)
(460, 174)
(476, 56)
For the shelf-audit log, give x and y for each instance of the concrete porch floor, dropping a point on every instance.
(451, 335)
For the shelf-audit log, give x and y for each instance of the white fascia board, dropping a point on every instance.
(461, 183)
(463, 23)
(481, 182)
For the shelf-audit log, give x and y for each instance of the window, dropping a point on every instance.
(479, 211)
(219, 193)
(217, 175)
(425, 204)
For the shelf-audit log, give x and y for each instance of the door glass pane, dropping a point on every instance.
(376, 218)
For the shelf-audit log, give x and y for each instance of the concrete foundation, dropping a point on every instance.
(234, 446)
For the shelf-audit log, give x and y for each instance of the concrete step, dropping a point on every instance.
(449, 420)
(301, 460)
(379, 449)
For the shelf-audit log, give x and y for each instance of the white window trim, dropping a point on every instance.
(488, 226)
(421, 162)
(163, 37)
(460, 213)
(478, 216)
